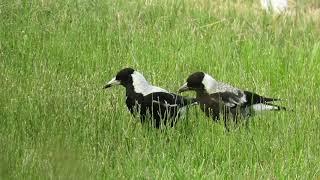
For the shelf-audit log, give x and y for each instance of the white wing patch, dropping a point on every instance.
(241, 100)
(142, 86)
(232, 102)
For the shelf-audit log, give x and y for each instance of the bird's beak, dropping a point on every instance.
(184, 88)
(112, 82)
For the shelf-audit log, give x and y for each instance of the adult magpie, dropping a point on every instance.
(150, 101)
(213, 96)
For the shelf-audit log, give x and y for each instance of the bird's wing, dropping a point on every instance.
(166, 105)
(240, 98)
(230, 99)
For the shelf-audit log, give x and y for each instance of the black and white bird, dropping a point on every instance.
(213, 96)
(150, 101)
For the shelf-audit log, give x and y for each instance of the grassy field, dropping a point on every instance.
(56, 121)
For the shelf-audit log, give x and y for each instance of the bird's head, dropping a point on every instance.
(129, 78)
(123, 77)
(199, 82)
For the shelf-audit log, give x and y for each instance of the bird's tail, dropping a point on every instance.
(267, 99)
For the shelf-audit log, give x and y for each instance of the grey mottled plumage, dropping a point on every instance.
(214, 96)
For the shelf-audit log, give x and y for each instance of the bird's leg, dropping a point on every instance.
(226, 124)
(247, 123)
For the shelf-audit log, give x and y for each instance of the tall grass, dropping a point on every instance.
(57, 122)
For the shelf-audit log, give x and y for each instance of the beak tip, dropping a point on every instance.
(111, 83)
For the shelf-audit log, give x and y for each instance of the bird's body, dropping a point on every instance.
(216, 98)
(164, 107)
(148, 101)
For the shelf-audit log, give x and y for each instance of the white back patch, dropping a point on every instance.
(142, 86)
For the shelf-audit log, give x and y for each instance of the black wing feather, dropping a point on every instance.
(164, 106)
(229, 99)
(253, 98)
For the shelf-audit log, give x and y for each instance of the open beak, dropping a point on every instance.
(113, 82)
(183, 88)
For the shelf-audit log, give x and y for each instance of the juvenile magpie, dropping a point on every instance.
(150, 101)
(213, 95)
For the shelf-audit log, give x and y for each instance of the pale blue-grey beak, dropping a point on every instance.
(112, 82)
(184, 88)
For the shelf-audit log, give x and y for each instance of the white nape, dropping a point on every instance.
(210, 84)
(141, 85)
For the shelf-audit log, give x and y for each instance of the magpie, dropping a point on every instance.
(148, 101)
(216, 97)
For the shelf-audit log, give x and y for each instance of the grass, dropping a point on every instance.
(57, 122)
